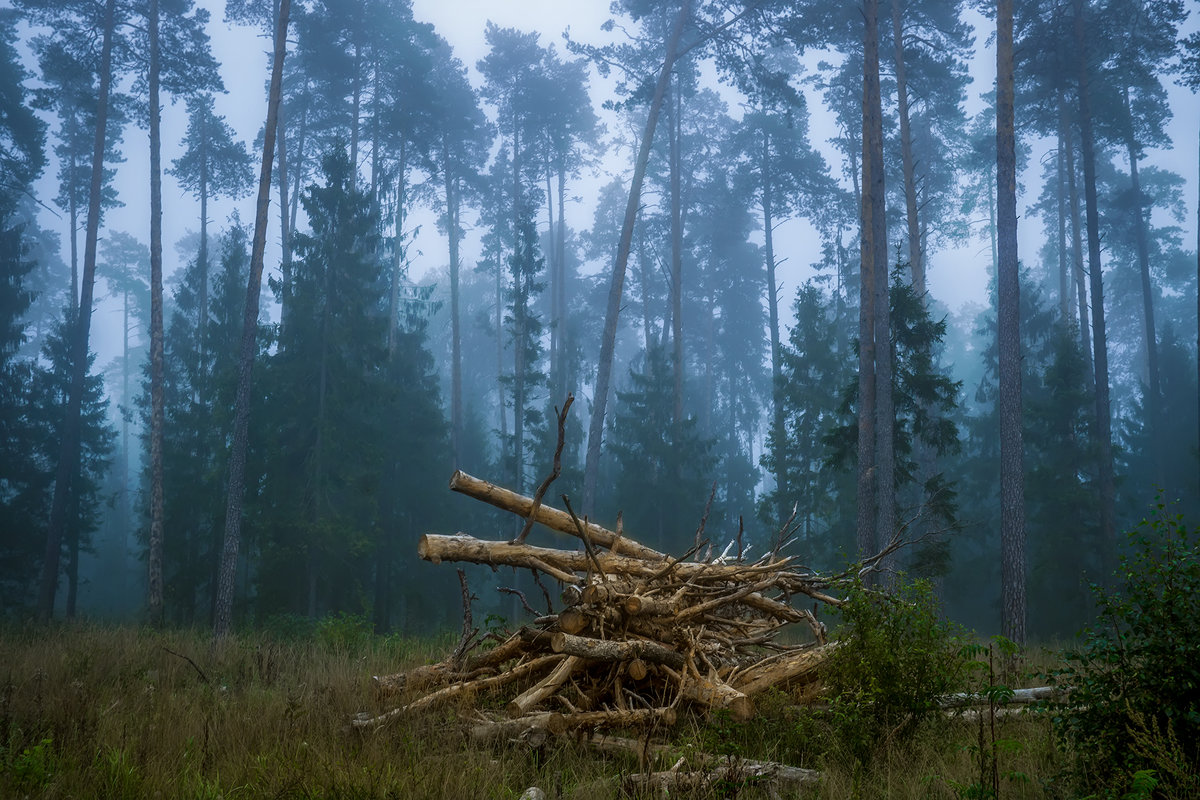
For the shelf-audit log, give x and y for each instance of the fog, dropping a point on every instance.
(505, 135)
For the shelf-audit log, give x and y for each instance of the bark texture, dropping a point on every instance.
(223, 617)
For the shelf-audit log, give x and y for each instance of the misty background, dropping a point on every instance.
(401, 122)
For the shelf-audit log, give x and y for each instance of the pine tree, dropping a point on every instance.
(662, 471)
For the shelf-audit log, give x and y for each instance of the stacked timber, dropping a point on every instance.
(637, 635)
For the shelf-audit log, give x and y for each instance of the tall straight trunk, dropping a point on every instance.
(872, 183)
(1099, 332)
(992, 225)
(452, 234)
(298, 170)
(608, 339)
(876, 508)
(1198, 309)
(318, 453)
(154, 555)
(73, 215)
(73, 551)
(675, 107)
(1060, 197)
(1081, 295)
(518, 317)
(552, 268)
(202, 258)
(777, 420)
(1141, 239)
(564, 336)
(397, 251)
(500, 351)
(355, 110)
(1012, 473)
(915, 255)
(644, 279)
(125, 503)
(223, 617)
(285, 233)
(69, 455)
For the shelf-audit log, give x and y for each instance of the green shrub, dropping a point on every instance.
(1134, 683)
(898, 655)
(345, 633)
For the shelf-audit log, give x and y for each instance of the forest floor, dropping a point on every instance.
(89, 711)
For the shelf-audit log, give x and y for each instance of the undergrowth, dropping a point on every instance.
(89, 711)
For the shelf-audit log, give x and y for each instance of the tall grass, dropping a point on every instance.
(103, 712)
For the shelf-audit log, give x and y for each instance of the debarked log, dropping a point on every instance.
(437, 548)
(1018, 696)
(733, 770)
(504, 730)
(629, 718)
(785, 668)
(713, 693)
(455, 690)
(534, 695)
(551, 517)
(616, 649)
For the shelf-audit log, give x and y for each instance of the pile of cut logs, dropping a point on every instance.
(638, 634)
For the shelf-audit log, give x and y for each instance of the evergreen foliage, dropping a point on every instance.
(1135, 677)
(663, 471)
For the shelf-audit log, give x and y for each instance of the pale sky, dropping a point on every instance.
(955, 278)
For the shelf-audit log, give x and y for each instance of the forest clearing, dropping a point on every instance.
(884, 324)
(634, 688)
(121, 713)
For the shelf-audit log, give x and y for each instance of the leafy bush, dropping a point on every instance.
(344, 633)
(1134, 702)
(898, 656)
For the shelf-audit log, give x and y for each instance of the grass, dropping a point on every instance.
(107, 712)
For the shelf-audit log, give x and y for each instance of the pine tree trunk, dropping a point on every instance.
(1081, 297)
(73, 213)
(1154, 392)
(398, 252)
(609, 337)
(1060, 192)
(154, 556)
(675, 107)
(202, 258)
(915, 256)
(564, 336)
(777, 417)
(1012, 473)
(285, 234)
(452, 234)
(1099, 332)
(241, 423)
(69, 455)
(552, 268)
(872, 489)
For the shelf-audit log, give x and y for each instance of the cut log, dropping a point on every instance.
(783, 669)
(636, 605)
(456, 690)
(437, 548)
(1018, 696)
(616, 650)
(552, 518)
(732, 771)
(631, 718)
(510, 729)
(533, 696)
(714, 693)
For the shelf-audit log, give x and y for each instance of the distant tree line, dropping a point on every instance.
(1009, 443)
